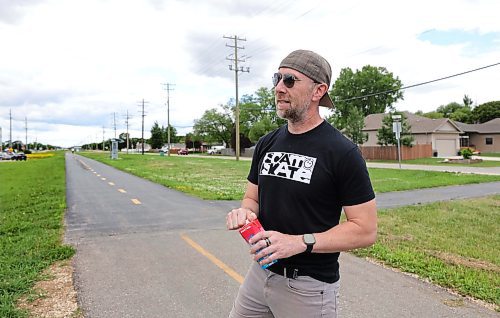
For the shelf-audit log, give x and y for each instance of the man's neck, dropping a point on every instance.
(310, 122)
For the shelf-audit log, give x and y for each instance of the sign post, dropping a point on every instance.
(396, 128)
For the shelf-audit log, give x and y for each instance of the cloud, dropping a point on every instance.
(11, 11)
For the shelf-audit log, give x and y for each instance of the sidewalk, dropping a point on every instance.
(458, 169)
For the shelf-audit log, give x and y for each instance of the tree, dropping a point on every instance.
(354, 129)
(431, 115)
(467, 101)
(258, 115)
(173, 135)
(386, 136)
(215, 126)
(370, 80)
(457, 112)
(486, 112)
(156, 140)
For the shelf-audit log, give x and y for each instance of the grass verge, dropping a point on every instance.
(452, 244)
(33, 201)
(225, 179)
(440, 162)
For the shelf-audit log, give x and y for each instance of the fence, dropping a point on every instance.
(391, 152)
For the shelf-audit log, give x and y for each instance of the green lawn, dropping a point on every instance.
(225, 179)
(439, 162)
(33, 201)
(490, 154)
(453, 244)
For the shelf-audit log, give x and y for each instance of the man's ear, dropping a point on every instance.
(319, 91)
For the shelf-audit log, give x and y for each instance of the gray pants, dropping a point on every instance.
(266, 294)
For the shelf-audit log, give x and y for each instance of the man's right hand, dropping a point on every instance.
(238, 217)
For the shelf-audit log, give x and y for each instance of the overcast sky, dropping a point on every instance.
(67, 66)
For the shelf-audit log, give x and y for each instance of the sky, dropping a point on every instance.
(71, 70)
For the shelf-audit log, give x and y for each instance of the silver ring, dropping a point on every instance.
(268, 242)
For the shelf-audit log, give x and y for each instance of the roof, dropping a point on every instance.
(489, 127)
(419, 124)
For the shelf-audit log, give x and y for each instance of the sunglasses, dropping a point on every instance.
(288, 79)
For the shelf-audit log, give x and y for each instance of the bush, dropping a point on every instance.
(466, 153)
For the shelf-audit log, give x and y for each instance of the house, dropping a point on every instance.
(483, 137)
(443, 134)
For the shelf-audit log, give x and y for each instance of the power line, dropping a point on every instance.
(415, 85)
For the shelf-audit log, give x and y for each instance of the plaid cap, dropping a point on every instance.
(313, 66)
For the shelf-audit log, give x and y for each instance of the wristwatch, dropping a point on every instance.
(309, 240)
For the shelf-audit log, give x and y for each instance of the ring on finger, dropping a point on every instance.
(268, 242)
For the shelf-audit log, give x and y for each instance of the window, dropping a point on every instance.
(489, 141)
(464, 141)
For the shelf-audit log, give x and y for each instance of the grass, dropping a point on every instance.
(225, 179)
(453, 244)
(490, 154)
(33, 201)
(439, 162)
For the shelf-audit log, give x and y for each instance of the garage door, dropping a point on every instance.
(446, 147)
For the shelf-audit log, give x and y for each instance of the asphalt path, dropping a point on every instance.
(144, 250)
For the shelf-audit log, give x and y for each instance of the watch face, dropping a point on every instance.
(309, 239)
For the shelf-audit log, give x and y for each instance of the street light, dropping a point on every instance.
(396, 128)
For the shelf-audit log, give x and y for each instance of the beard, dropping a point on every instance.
(294, 114)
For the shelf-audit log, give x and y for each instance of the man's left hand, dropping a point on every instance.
(274, 245)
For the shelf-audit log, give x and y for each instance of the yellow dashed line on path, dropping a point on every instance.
(231, 272)
(122, 191)
(136, 201)
(98, 175)
(111, 183)
(103, 179)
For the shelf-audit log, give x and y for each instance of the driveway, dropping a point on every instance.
(147, 251)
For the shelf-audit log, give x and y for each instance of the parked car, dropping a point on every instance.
(7, 155)
(215, 150)
(182, 152)
(13, 156)
(19, 156)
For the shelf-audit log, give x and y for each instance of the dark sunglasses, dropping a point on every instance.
(288, 79)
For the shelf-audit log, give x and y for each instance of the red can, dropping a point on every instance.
(249, 230)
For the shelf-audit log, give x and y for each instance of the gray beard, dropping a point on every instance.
(294, 115)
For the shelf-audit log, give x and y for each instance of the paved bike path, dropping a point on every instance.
(134, 260)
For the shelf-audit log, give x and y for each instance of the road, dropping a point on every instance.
(147, 251)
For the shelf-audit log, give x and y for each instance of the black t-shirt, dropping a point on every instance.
(304, 180)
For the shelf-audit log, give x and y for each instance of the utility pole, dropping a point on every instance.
(126, 123)
(26, 137)
(114, 122)
(102, 140)
(168, 89)
(236, 70)
(10, 128)
(143, 115)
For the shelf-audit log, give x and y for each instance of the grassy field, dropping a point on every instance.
(453, 244)
(32, 196)
(439, 162)
(225, 179)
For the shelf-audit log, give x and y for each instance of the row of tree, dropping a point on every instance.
(356, 94)
(466, 113)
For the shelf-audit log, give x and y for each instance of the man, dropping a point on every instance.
(303, 175)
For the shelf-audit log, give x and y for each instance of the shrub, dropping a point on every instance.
(466, 153)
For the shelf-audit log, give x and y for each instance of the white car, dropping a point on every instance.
(215, 150)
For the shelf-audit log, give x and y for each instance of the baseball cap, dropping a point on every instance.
(313, 66)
